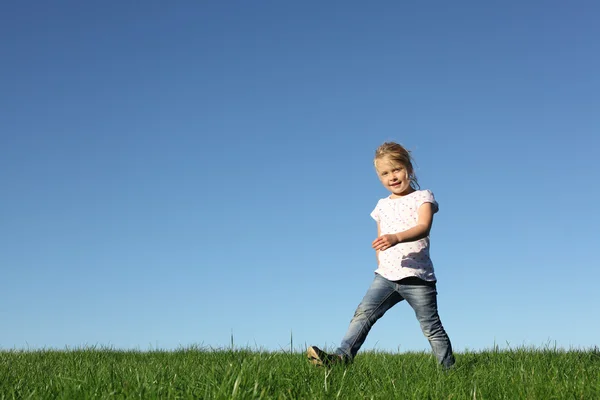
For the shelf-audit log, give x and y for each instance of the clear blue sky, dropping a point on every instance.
(175, 172)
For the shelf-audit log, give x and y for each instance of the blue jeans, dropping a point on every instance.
(383, 295)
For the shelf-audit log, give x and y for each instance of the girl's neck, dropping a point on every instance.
(398, 196)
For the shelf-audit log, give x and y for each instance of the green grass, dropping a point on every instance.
(245, 374)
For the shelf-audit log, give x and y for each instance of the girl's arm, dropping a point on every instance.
(417, 232)
(378, 234)
(421, 230)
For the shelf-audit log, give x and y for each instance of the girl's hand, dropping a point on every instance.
(384, 242)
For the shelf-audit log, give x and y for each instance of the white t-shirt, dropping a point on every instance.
(404, 259)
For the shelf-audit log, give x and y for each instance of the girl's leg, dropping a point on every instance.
(422, 297)
(380, 297)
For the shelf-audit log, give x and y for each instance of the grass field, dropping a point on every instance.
(246, 374)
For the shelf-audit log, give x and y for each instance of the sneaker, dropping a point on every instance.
(320, 358)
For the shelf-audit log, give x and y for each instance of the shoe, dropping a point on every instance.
(320, 358)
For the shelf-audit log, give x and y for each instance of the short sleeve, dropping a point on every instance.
(375, 213)
(426, 196)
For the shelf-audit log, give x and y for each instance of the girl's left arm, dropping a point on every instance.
(378, 234)
(417, 232)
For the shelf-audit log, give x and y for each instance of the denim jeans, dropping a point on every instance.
(383, 295)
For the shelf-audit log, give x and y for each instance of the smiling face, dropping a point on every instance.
(394, 176)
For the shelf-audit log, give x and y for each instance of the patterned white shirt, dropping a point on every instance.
(404, 259)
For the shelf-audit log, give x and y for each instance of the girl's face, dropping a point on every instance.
(393, 176)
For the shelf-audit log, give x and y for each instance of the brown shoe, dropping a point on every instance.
(320, 358)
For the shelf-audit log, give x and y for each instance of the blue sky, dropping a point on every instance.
(175, 173)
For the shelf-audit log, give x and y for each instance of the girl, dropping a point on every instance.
(405, 271)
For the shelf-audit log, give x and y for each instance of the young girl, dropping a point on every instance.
(405, 271)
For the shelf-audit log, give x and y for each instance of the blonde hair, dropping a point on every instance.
(398, 154)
